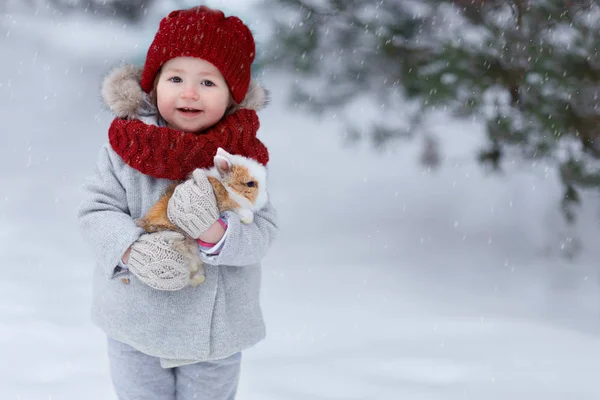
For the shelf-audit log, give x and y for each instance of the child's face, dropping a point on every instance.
(191, 94)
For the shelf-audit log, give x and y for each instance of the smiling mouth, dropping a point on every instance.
(189, 111)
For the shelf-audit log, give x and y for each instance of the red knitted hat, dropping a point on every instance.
(204, 33)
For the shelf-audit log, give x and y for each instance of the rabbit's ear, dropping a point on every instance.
(223, 165)
(223, 153)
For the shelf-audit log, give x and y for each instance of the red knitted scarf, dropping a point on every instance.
(163, 152)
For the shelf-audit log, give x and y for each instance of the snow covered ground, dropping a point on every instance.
(387, 282)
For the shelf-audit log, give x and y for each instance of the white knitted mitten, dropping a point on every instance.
(156, 263)
(193, 206)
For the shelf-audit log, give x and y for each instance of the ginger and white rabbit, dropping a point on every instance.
(239, 184)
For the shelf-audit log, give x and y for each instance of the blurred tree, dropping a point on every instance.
(131, 10)
(530, 69)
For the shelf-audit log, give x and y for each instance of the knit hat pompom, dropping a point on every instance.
(203, 33)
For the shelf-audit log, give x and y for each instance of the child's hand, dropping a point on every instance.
(193, 206)
(155, 262)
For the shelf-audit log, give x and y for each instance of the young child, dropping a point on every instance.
(166, 339)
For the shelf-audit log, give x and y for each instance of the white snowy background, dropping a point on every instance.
(387, 282)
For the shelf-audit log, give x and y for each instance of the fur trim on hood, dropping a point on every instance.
(123, 95)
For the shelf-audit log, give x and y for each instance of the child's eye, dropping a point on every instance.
(176, 79)
(251, 184)
(208, 83)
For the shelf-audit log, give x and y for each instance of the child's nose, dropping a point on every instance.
(189, 92)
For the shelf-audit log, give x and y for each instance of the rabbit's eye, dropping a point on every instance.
(251, 184)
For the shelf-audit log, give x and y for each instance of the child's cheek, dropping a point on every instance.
(162, 104)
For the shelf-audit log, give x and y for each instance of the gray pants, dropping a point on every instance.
(138, 376)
